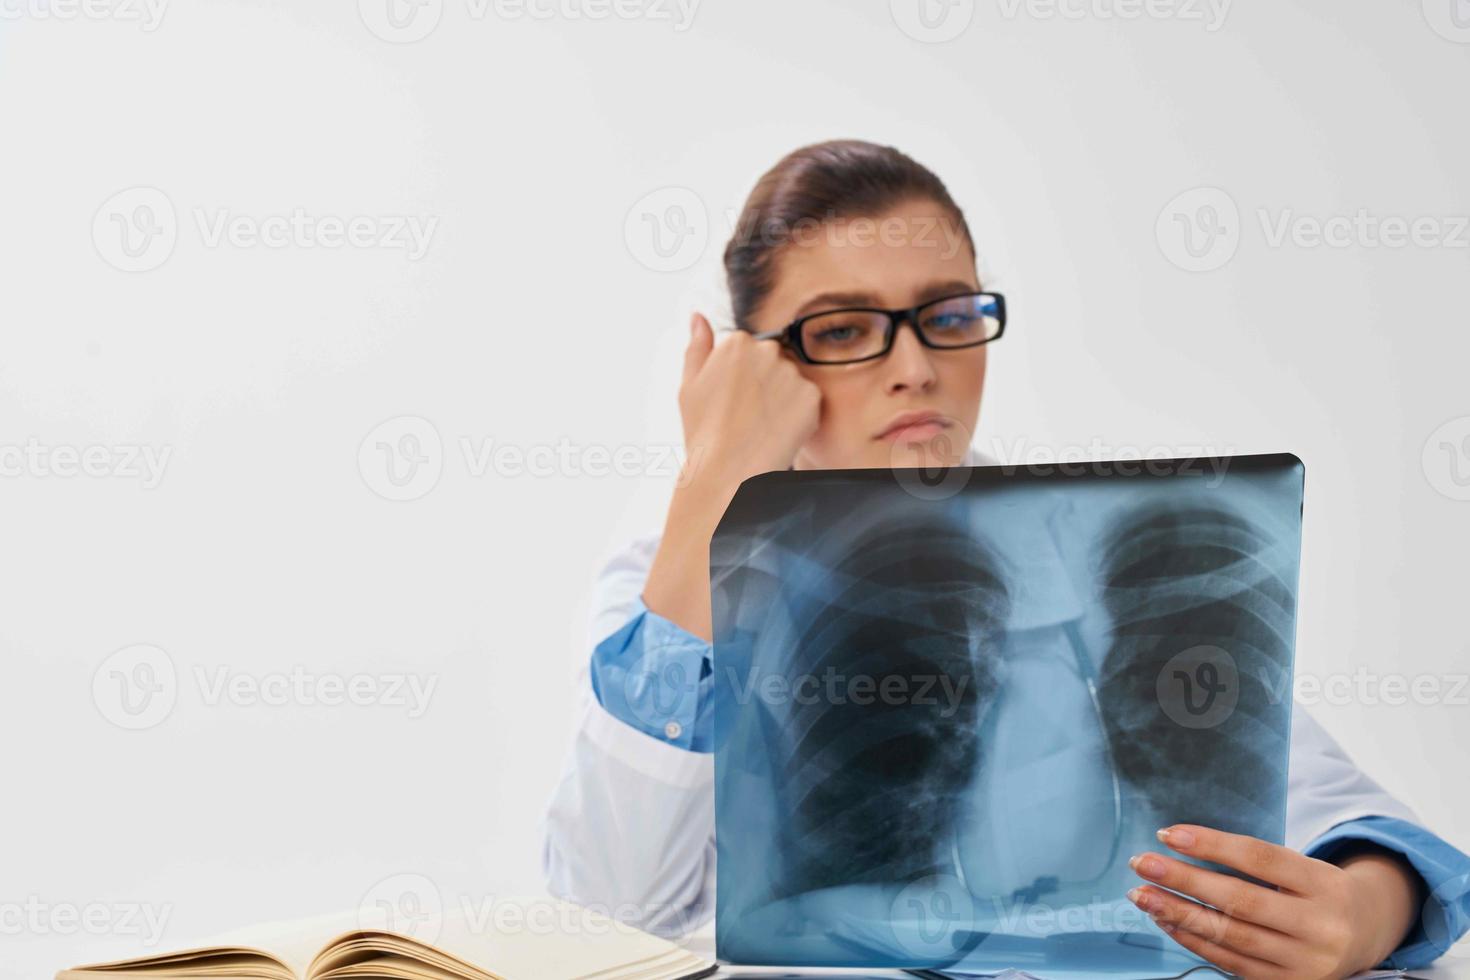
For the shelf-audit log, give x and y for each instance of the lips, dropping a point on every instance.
(913, 426)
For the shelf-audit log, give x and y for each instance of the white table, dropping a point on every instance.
(1454, 965)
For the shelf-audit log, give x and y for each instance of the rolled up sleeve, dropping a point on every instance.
(656, 677)
(1445, 869)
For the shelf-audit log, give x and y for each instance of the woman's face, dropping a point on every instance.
(910, 254)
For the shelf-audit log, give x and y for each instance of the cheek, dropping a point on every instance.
(844, 394)
(965, 377)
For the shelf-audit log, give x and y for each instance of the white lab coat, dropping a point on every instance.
(631, 825)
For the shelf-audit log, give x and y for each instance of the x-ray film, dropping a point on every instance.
(950, 705)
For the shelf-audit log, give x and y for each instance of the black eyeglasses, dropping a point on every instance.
(855, 334)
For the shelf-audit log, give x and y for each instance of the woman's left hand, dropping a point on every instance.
(1321, 921)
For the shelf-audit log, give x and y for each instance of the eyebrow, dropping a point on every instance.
(839, 300)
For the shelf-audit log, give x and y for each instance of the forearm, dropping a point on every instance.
(678, 585)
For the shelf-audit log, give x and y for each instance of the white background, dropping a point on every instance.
(539, 314)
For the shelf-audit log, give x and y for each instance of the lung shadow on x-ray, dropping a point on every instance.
(873, 789)
(1178, 577)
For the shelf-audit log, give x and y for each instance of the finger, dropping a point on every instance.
(1257, 858)
(1241, 899)
(701, 341)
(1226, 959)
(1243, 937)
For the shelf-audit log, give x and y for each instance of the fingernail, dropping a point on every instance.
(1144, 900)
(1146, 865)
(1176, 837)
(693, 324)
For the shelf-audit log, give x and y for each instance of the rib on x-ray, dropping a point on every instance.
(911, 597)
(1183, 577)
(948, 711)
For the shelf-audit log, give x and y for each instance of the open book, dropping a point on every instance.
(552, 941)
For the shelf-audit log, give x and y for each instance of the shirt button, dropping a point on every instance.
(673, 729)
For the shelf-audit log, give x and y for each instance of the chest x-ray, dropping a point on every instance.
(948, 711)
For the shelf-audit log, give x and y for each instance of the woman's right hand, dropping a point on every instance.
(746, 410)
(746, 407)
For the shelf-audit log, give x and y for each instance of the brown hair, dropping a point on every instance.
(815, 184)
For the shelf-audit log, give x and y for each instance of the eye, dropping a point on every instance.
(838, 332)
(950, 320)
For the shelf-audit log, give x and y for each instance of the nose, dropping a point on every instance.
(908, 366)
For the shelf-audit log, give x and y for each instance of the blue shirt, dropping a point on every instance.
(657, 677)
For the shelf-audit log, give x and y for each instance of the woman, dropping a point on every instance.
(850, 224)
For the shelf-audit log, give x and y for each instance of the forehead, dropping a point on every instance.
(891, 257)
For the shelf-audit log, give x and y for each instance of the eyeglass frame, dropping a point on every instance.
(790, 335)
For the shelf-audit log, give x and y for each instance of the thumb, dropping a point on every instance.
(701, 342)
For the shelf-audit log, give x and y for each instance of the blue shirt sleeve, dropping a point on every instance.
(1444, 868)
(656, 676)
